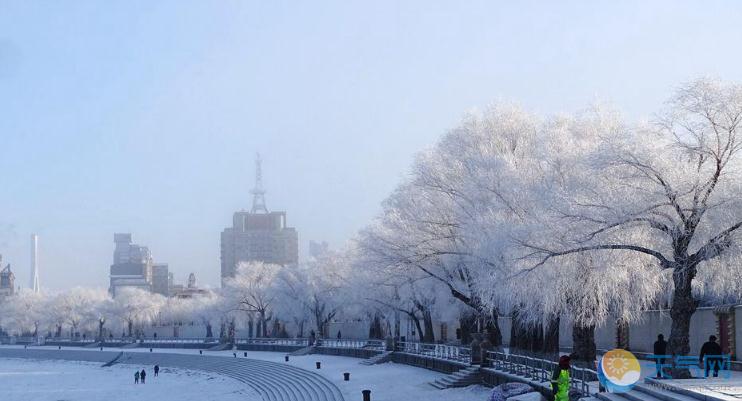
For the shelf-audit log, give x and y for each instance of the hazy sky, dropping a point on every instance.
(144, 117)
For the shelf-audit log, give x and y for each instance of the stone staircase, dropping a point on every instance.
(647, 391)
(304, 351)
(273, 381)
(462, 378)
(220, 347)
(383, 357)
(114, 360)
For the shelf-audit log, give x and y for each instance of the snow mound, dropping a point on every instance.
(508, 390)
(532, 396)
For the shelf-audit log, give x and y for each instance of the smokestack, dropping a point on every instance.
(35, 263)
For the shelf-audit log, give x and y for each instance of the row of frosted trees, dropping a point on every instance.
(265, 300)
(584, 217)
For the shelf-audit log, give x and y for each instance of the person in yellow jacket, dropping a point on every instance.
(560, 380)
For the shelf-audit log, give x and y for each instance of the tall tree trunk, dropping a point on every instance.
(622, 334)
(492, 326)
(418, 326)
(231, 331)
(683, 307)
(535, 337)
(263, 325)
(520, 334)
(583, 344)
(429, 336)
(375, 331)
(551, 337)
(468, 326)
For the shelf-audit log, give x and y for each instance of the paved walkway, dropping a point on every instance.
(273, 381)
(727, 387)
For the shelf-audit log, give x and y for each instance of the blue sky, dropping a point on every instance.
(144, 117)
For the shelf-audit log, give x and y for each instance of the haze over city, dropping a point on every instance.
(145, 117)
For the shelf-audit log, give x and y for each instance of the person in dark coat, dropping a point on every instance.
(136, 377)
(312, 337)
(339, 335)
(711, 351)
(660, 350)
(143, 375)
(157, 370)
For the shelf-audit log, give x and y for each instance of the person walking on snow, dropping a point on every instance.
(157, 370)
(660, 350)
(136, 377)
(560, 380)
(712, 351)
(143, 375)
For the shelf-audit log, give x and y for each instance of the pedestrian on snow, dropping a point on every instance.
(143, 375)
(712, 353)
(560, 380)
(312, 337)
(339, 336)
(155, 335)
(660, 350)
(136, 377)
(157, 370)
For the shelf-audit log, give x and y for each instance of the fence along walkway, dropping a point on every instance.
(539, 370)
(273, 381)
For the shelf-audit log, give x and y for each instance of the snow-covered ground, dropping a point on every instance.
(36, 380)
(387, 382)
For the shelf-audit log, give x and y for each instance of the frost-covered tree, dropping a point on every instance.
(136, 307)
(206, 310)
(452, 219)
(77, 307)
(319, 286)
(668, 191)
(251, 290)
(394, 292)
(23, 313)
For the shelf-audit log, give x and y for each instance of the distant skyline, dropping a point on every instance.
(144, 117)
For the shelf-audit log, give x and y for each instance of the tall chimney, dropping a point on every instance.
(35, 263)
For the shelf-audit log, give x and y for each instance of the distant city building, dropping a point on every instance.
(162, 279)
(190, 291)
(7, 280)
(132, 265)
(258, 235)
(34, 284)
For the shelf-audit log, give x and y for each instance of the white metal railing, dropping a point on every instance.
(540, 370)
(359, 344)
(273, 341)
(71, 340)
(454, 353)
(180, 340)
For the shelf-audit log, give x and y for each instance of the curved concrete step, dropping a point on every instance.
(273, 381)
